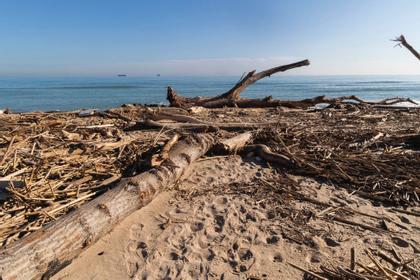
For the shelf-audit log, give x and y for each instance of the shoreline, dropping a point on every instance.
(319, 106)
(106, 93)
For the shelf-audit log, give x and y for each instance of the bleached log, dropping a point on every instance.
(51, 248)
(233, 94)
(235, 143)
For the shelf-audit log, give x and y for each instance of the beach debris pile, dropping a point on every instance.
(52, 162)
(372, 153)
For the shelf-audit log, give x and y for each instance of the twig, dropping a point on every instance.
(313, 274)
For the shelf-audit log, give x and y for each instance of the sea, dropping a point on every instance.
(24, 94)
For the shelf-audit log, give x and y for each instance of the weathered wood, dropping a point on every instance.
(252, 77)
(296, 104)
(61, 241)
(202, 126)
(403, 41)
(233, 94)
(235, 143)
(232, 97)
(265, 153)
(158, 115)
(157, 159)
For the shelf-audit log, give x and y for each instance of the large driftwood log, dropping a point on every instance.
(402, 41)
(54, 246)
(233, 94)
(296, 104)
(232, 97)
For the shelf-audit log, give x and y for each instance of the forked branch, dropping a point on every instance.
(230, 97)
(402, 41)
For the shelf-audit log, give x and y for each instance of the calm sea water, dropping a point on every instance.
(30, 94)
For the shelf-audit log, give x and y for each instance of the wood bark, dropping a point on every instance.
(265, 153)
(44, 252)
(234, 144)
(202, 127)
(403, 41)
(233, 94)
(158, 115)
(158, 159)
(295, 104)
(240, 143)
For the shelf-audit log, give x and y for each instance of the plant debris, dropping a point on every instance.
(51, 163)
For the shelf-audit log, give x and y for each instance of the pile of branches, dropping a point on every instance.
(376, 166)
(52, 163)
(372, 152)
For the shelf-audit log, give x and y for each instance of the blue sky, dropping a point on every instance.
(100, 37)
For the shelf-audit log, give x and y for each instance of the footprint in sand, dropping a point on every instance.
(212, 237)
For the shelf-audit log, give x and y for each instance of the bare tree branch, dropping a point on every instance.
(402, 41)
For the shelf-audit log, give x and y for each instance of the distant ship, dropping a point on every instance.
(122, 75)
(158, 75)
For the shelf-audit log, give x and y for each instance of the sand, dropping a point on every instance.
(204, 228)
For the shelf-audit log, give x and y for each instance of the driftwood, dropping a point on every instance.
(402, 41)
(159, 115)
(240, 143)
(235, 143)
(154, 119)
(58, 243)
(372, 153)
(265, 153)
(230, 97)
(297, 104)
(158, 159)
(200, 127)
(50, 249)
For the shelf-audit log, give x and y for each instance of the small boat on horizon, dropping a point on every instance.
(122, 75)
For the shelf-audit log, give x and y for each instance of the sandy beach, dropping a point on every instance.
(213, 230)
(220, 140)
(238, 215)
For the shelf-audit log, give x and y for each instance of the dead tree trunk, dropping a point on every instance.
(233, 94)
(270, 102)
(252, 77)
(232, 97)
(53, 247)
(403, 41)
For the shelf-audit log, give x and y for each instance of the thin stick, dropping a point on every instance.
(352, 259)
(7, 150)
(313, 274)
(376, 262)
(71, 203)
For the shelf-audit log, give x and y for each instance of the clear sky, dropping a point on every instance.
(214, 37)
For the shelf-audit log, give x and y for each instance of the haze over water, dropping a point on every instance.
(46, 94)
